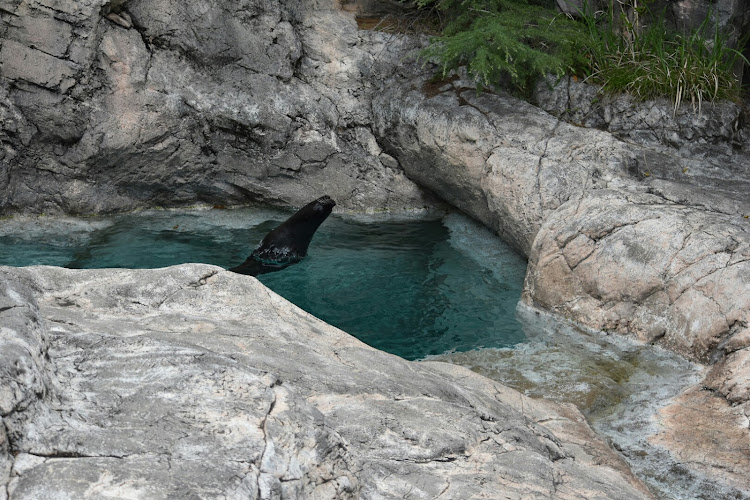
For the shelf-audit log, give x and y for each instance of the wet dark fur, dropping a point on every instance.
(288, 243)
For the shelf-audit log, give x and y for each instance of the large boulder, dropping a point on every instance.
(499, 159)
(638, 264)
(194, 381)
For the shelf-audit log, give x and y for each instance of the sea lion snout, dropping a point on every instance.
(326, 200)
(324, 204)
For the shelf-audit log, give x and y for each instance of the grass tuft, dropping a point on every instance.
(517, 41)
(653, 62)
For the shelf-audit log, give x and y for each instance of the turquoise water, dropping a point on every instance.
(443, 288)
(412, 287)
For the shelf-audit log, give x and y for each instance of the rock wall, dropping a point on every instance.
(25, 371)
(111, 106)
(497, 158)
(194, 381)
(693, 128)
(638, 264)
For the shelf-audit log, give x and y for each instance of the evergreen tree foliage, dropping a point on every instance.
(500, 40)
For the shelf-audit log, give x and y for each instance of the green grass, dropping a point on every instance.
(654, 62)
(518, 42)
(505, 40)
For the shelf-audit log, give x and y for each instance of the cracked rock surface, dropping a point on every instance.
(649, 122)
(637, 238)
(193, 381)
(109, 106)
(636, 263)
(498, 158)
(669, 274)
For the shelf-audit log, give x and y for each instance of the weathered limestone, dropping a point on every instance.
(108, 106)
(191, 380)
(24, 370)
(638, 264)
(720, 450)
(495, 157)
(651, 122)
(23, 349)
(666, 273)
(125, 105)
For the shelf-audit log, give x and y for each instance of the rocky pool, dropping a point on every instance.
(420, 287)
(411, 286)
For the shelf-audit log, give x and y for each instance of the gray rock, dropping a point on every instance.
(194, 381)
(640, 239)
(35, 66)
(25, 371)
(638, 264)
(497, 158)
(115, 106)
(691, 127)
(6, 461)
(139, 104)
(665, 273)
(23, 349)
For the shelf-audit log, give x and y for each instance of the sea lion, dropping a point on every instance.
(287, 244)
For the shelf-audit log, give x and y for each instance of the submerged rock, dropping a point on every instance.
(192, 380)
